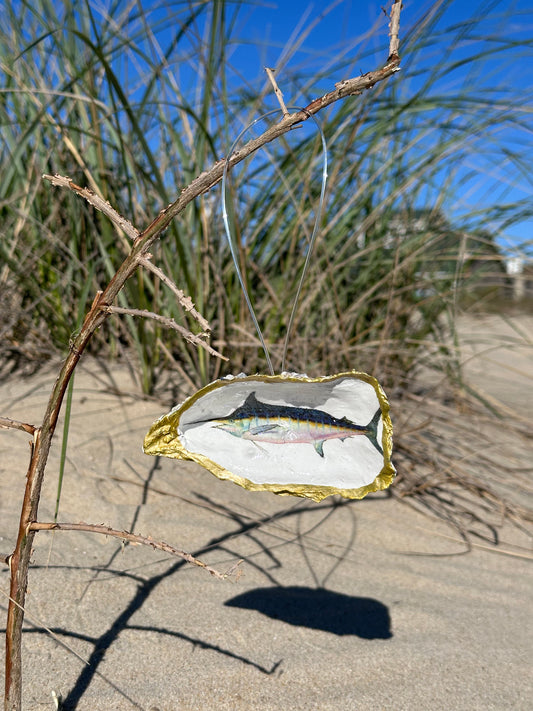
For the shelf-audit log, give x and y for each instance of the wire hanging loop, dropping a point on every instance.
(231, 241)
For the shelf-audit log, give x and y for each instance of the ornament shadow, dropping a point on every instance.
(319, 609)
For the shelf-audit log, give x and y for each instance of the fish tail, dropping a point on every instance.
(372, 430)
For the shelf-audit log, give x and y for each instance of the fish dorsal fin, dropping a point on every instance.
(251, 404)
(251, 400)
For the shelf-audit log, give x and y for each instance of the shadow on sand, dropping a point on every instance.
(319, 609)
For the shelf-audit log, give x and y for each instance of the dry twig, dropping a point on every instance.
(6, 423)
(132, 538)
(96, 201)
(196, 339)
(277, 91)
(184, 300)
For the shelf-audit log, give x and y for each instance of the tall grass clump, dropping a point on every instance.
(137, 102)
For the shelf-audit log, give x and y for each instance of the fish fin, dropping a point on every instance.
(262, 428)
(372, 430)
(251, 400)
(250, 405)
(319, 446)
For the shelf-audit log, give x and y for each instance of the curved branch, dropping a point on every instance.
(132, 538)
(208, 179)
(196, 339)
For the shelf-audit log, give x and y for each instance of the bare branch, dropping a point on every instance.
(197, 340)
(277, 91)
(206, 180)
(184, 300)
(96, 201)
(394, 30)
(7, 423)
(132, 538)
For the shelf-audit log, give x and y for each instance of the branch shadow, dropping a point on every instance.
(63, 633)
(319, 609)
(316, 608)
(145, 588)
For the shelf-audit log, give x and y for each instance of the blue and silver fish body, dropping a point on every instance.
(283, 424)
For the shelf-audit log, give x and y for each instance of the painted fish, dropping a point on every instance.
(282, 424)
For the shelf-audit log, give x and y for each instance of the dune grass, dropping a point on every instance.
(137, 103)
(135, 111)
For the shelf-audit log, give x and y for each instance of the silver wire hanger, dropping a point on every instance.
(311, 241)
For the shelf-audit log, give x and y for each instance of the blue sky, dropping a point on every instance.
(322, 31)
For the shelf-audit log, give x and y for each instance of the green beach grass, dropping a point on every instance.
(98, 99)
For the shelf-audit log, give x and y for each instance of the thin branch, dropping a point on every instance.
(197, 340)
(7, 423)
(277, 91)
(206, 180)
(394, 29)
(131, 538)
(107, 209)
(96, 201)
(184, 300)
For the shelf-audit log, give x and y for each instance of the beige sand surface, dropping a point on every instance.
(364, 605)
(497, 353)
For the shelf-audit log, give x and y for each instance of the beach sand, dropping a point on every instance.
(341, 605)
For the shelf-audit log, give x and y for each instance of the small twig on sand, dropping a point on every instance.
(132, 538)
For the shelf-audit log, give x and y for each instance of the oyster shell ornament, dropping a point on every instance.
(288, 434)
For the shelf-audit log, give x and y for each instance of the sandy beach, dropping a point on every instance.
(341, 605)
